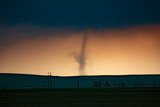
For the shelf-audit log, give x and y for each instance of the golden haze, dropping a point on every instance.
(131, 50)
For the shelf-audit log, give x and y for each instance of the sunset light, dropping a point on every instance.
(116, 51)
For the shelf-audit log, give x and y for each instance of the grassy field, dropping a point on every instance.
(124, 97)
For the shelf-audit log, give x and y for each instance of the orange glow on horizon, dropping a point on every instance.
(134, 50)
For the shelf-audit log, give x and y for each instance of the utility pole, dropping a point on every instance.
(49, 80)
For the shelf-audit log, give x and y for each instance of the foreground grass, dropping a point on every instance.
(111, 97)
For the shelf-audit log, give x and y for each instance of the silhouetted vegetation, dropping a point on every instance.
(100, 84)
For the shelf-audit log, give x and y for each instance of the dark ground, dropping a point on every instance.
(120, 97)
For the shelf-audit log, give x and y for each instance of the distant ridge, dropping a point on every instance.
(21, 74)
(12, 80)
(83, 75)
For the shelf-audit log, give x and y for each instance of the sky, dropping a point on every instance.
(41, 36)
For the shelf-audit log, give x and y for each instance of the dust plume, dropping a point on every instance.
(81, 56)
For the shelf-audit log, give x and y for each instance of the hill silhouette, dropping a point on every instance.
(16, 81)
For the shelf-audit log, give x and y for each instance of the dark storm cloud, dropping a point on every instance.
(11, 35)
(79, 13)
(31, 18)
